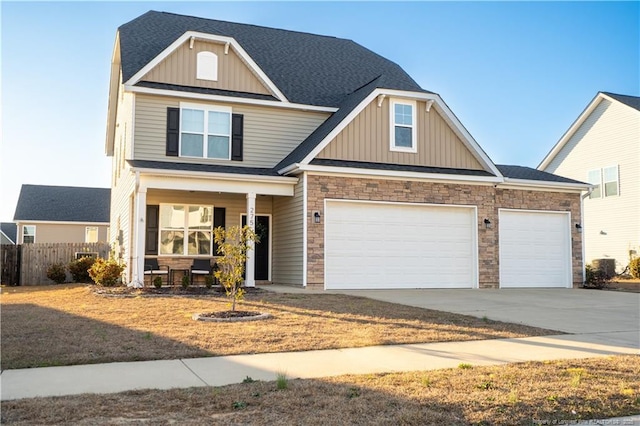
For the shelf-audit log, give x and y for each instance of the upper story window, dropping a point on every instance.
(403, 126)
(207, 66)
(28, 234)
(605, 181)
(186, 230)
(205, 132)
(595, 178)
(610, 181)
(91, 234)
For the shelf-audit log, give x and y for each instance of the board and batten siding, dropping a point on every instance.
(367, 138)
(270, 134)
(288, 246)
(610, 136)
(181, 65)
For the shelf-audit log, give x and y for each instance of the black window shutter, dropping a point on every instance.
(219, 218)
(237, 134)
(151, 236)
(173, 131)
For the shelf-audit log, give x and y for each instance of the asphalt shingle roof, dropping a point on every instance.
(632, 101)
(10, 230)
(207, 168)
(308, 69)
(63, 204)
(527, 173)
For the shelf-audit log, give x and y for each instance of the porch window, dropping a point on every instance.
(205, 132)
(186, 230)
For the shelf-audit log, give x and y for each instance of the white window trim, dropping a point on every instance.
(599, 183)
(392, 126)
(206, 109)
(207, 66)
(34, 233)
(86, 234)
(603, 190)
(185, 229)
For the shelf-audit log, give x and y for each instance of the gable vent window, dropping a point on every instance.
(403, 126)
(207, 66)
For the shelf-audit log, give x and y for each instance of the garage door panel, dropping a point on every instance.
(387, 245)
(534, 249)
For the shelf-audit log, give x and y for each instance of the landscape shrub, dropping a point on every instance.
(634, 267)
(595, 278)
(107, 273)
(157, 282)
(56, 273)
(79, 269)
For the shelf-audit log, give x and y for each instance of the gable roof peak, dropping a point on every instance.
(306, 68)
(632, 101)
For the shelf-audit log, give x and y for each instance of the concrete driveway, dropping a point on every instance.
(613, 315)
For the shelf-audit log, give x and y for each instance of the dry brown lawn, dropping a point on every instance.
(516, 394)
(66, 325)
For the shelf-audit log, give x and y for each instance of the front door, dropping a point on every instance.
(261, 250)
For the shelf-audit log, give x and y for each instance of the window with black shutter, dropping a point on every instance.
(219, 218)
(151, 236)
(173, 131)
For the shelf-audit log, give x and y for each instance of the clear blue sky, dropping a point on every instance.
(515, 74)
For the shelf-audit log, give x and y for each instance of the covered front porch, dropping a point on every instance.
(174, 216)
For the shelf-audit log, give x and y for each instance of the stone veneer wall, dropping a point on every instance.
(487, 198)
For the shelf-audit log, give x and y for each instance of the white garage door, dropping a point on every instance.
(391, 245)
(535, 249)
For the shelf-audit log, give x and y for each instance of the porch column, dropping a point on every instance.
(250, 280)
(138, 240)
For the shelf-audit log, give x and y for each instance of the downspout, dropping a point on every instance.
(582, 198)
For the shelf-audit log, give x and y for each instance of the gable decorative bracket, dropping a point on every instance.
(191, 40)
(226, 48)
(381, 99)
(429, 103)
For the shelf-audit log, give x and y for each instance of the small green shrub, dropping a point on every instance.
(248, 379)
(185, 281)
(634, 267)
(595, 278)
(239, 405)
(208, 281)
(56, 273)
(79, 269)
(157, 282)
(282, 382)
(107, 273)
(464, 366)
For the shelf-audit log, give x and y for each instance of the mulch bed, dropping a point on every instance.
(215, 291)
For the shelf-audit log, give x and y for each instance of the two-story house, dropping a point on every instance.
(352, 175)
(602, 147)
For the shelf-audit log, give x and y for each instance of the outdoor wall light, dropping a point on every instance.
(578, 227)
(316, 217)
(487, 223)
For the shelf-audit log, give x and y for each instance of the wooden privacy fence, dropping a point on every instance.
(10, 258)
(37, 257)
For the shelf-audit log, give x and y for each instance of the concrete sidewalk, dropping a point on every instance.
(218, 371)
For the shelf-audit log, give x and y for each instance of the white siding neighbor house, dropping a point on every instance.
(602, 147)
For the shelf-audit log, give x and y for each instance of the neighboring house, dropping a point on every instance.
(602, 147)
(7, 233)
(62, 214)
(352, 174)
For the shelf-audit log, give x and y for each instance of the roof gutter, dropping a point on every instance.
(538, 184)
(221, 176)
